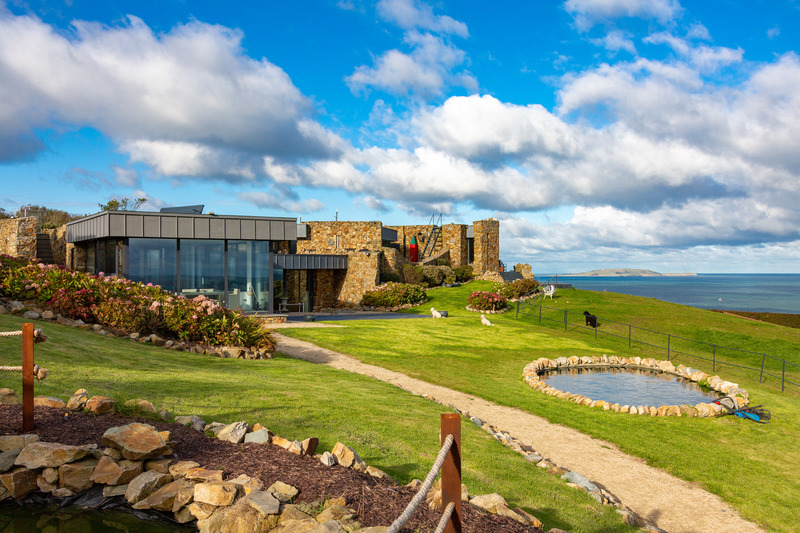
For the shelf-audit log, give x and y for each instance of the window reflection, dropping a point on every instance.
(153, 261)
(203, 268)
(248, 275)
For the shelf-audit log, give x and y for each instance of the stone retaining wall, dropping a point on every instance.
(18, 237)
(533, 372)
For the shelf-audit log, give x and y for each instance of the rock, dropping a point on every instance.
(195, 422)
(144, 484)
(556, 471)
(20, 482)
(17, 307)
(156, 340)
(141, 405)
(218, 493)
(30, 315)
(533, 457)
(44, 485)
(51, 454)
(78, 400)
(215, 427)
(163, 498)
(77, 476)
(7, 459)
(260, 436)
(49, 401)
(247, 484)
(283, 491)
(48, 314)
(136, 441)
(232, 352)
(377, 473)
(100, 404)
(578, 479)
(233, 432)
(489, 502)
(528, 518)
(203, 474)
(110, 472)
(241, 517)
(134, 336)
(114, 490)
(160, 465)
(201, 511)
(309, 446)
(179, 469)
(335, 512)
(292, 513)
(347, 456)
(477, 421)
(214, 523)
(262, 501)
(16, 442)
(327, 459)
(8, 397)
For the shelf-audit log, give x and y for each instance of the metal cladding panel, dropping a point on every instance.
(169, 227)
(289, 230)
(262, 230)
(388, 234)
(248, 230)
(310, 262)
(116, 224)
(134, 225)
(470, 232)
(185, 228)
(276, 231)
(216, 228)
(152, 226)
(202, 228)
(233, 228)
(302, 231)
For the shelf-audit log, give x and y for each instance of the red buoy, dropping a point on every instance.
(413, 249)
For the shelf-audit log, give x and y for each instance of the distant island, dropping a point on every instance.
(623, 272)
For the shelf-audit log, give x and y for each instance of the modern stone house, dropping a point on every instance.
(269, 264)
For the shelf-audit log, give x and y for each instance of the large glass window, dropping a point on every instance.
(153, 261)
(203, 268)
(107, 257)
(248, 275)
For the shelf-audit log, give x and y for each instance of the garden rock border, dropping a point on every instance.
(533, 372)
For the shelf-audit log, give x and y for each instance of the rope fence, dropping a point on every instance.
(448, 461)
(28, 368)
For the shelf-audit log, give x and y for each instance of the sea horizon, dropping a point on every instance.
(769, 293)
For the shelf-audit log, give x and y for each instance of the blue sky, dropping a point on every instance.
(601, 133)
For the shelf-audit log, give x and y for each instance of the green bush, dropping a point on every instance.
(486, 301)
(433, 275)
(412, 274)
(463, 273)
(394, 295)
(517, 288)
(129, 306)
(390, 276)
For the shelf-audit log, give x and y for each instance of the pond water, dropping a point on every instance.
(55, 519)
(628, 386)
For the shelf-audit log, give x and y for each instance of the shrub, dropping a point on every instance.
(394, 295)
(486, 301)
(390, 276)
(463, 273)
(412, 274)
(433, 275)
(517, 288)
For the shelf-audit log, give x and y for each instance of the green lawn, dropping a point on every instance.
(754, 467)
(391, 429)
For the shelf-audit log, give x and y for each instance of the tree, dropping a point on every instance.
(48, 218)
(123, 204)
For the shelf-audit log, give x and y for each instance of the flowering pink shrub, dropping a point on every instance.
(128, 305)
(394, 295)
(486, 301)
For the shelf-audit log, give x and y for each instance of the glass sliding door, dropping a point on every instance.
(153, 261)
(203, 268)
(248, 275)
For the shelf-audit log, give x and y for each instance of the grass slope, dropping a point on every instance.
(391, 429)
(752, 466)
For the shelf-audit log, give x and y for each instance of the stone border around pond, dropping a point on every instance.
(533, 372)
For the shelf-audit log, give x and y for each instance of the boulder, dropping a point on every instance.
(195, 422)
(141, 405)
(145, 484)
(260, 436)
(217, 493)
(345, 455)
(8, 397)
(262, 501)
(578, 479)
(163, 498)
(201, 511)
(179, 469)
(335, 512)
(48, 314)
(114, 490)
(203, 474)
(30, 315)
(160, 464)
(17, 307)
(136, 441)
(16, 442)
(489, 502)
(283, 491)
(247, 484)
(7, 459)
(49, 401)
(77, 476)
(100, 404)
(51, 454)
(20, 482)
(233, 432)
(78, 400)
(111, 472)
(241, 517)
(309, 446)
(327, 459)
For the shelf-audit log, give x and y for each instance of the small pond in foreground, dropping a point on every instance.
(628, 386)
(55, 519)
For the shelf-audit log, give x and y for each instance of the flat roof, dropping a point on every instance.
(122, 224)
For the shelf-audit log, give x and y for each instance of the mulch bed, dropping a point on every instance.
(377, 502)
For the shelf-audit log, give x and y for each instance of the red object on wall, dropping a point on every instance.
(413, 249)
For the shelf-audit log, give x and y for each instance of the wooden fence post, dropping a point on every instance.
(451, 471)
(27, 376)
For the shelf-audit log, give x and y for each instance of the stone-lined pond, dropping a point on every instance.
(628, 386)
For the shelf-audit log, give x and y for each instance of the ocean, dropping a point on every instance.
(773, 293)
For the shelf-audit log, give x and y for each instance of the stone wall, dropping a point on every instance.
(18, 237)
(363, 273)
(392, 260)
(340, 237)
(454, 238)
(58, 244)
(487, 246)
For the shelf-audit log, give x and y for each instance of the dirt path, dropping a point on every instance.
(674, 505)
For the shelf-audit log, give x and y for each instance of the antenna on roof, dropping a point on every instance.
(184, 209)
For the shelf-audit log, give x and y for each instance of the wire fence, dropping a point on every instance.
(767, 366)
(449, 463)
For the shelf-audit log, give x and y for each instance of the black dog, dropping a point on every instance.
(591, 320)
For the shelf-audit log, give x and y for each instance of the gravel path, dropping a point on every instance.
(674, 505)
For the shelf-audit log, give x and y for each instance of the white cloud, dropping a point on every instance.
(705, 58)
(274, 201)
(191, 89)
(125, 177)
(773, 32)
(616, 40)
(412, 14)
(587, 13)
